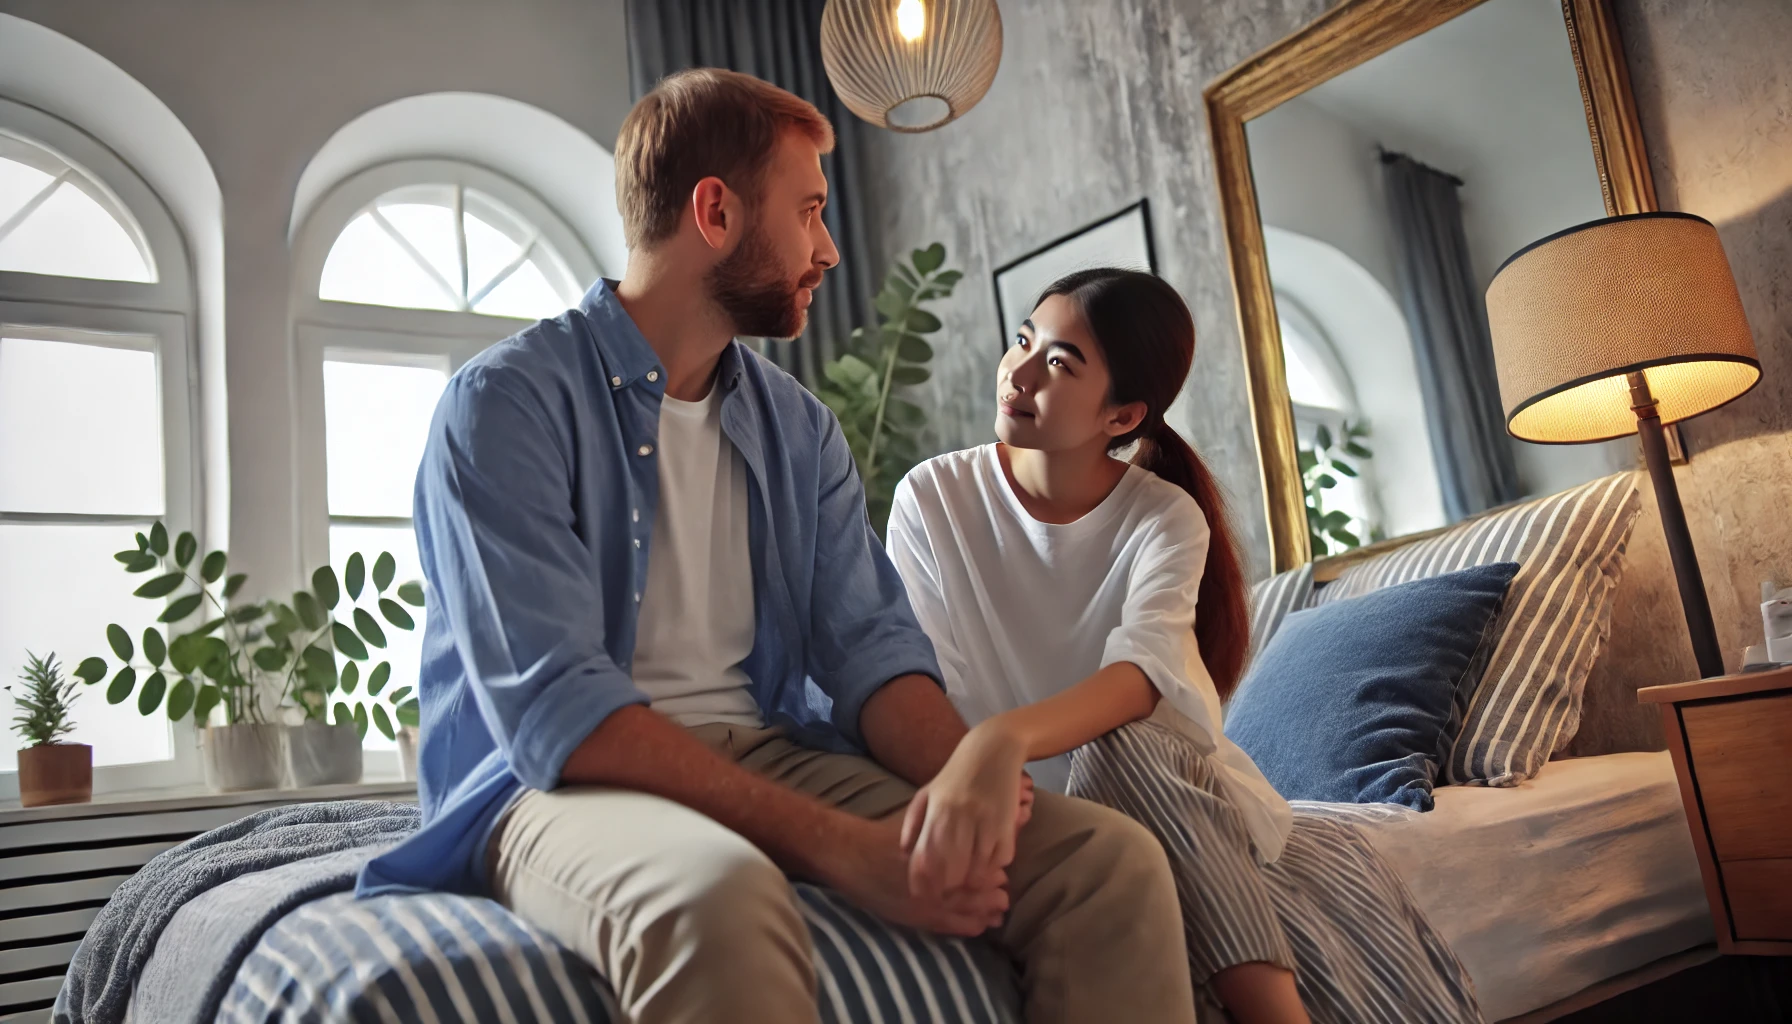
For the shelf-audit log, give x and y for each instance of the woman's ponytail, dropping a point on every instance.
(1148, 336)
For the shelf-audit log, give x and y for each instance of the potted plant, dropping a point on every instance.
(1328, 530)
(864, 385)
(50, 772)
(242, 656)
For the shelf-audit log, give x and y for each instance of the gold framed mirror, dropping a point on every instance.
(1393, 65)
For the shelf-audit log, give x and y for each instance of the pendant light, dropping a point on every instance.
(911, 65)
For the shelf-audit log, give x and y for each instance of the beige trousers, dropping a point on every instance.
(691, 923)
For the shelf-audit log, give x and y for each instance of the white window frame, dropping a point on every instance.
(155, 315)
(393, 336)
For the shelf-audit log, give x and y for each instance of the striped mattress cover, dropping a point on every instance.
(439, 957)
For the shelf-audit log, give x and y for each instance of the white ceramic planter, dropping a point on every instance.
(245, 756)
(323, 755)
(407, 752)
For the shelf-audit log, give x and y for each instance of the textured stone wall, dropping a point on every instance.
(1099, 102)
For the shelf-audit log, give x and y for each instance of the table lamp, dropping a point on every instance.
(1624, 325)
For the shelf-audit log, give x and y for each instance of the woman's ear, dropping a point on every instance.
(1124, 419)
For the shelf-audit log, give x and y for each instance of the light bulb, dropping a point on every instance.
(911, 19)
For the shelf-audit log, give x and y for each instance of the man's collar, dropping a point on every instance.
(627, 355)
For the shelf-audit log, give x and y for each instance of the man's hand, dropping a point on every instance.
(872, 871)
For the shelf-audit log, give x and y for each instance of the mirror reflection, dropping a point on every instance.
(1390, 195)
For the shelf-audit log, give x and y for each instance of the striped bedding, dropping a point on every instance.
(438, 957)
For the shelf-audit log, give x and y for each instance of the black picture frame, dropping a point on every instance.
(1141, 211)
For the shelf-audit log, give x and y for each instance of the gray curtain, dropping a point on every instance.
(780, 42)
(1448, 320)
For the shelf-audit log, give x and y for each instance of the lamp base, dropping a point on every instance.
(1693, 601)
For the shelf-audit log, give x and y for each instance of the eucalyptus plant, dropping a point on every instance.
(239, 651)
(46, 707)
(1320, 467)
(865, 385)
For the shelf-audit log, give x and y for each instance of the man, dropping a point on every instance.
(643, 542)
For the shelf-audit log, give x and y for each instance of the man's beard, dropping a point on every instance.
(760, 303)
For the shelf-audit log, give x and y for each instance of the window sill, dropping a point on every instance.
(179, 798)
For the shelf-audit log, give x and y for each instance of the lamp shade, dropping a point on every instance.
(911, 65)
(1574, 314)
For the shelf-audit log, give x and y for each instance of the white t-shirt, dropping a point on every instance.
(696, 621)
(1021, 610)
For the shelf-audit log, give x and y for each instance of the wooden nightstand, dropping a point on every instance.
(1731, 739)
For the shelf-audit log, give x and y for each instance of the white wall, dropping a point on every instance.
(261, 87)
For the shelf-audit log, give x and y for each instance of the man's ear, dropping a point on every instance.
(716, 210)
(1125, 419)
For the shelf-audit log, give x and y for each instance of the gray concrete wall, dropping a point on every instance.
(1099, 102)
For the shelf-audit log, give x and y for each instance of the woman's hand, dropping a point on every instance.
(960, 828)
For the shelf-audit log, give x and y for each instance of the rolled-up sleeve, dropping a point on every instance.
(505, 564)
(863, 632)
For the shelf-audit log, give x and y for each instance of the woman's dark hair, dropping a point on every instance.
(1148, 336)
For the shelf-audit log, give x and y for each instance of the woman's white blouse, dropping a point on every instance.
(1020, 610)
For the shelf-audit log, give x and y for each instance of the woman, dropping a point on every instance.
(1061, 586)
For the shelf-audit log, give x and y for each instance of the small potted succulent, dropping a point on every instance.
(50, 772)
(242, 656)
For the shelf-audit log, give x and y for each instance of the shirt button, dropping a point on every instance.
(652, 375)
(615, 382)
(645, 449)
(635, 514)
(637, 597)
(637, 542)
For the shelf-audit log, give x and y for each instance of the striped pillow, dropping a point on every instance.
(1272, 599)
(1570, 548)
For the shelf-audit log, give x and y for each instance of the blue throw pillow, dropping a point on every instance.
(1357, 701)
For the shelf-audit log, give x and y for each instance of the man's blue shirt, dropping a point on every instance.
(534, 514)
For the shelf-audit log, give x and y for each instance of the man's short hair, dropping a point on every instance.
(695, 124)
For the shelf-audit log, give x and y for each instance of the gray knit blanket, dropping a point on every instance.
(233, 882)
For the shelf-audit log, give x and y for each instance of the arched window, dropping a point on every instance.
(1325, 408)
(96, 436)
(405, 272)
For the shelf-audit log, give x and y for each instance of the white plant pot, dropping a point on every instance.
(323, 755)
(243, 756)
(407, 752)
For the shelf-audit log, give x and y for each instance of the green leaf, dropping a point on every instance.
(906, 375)
(849, 371)
(1323, 436)
(396, 615)
(234, 584)
(369, 628)
(376, 680)
(383, 723)
(154, 648)
(309, 612)
(1343, 469)
(354, 575)
(351, 676)
(184, 652)
(1307, 460)
(922, 322)
(142, 563)
(180, 608)
(91, 671)
(247, 613)
(208, 698)
(271, 659)
(361, 720)
(321, 660)
(399, 695)
(1348, 539)
(323, 584)
(890, 304)
(946, 279)
(127, 557)
(915, 350)
(150, 697)
(142, 542)
(209, 627)
(384, 568)
(122, 684)
(1327, 481)
(410, 713)
(411, 594)
(161, 586)
(929, 259)
(343, 714)
(906, 413)
(180, 700)
(1358, 450)
(214, 657)
(1336, 520)
(901, 270)
(120, 641)
(185, 547)
(158, 539)
(212, 567)
(347, 642)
